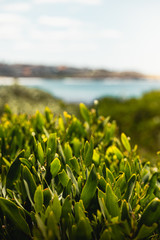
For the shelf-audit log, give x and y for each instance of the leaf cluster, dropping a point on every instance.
(62, 178)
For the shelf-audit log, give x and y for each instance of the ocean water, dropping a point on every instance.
(82, 90)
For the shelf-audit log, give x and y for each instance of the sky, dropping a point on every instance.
(120, 35)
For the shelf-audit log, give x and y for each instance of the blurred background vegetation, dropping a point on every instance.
(27, 100)
(138, 118)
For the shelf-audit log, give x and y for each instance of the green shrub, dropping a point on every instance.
(138, 118)
(62, 178)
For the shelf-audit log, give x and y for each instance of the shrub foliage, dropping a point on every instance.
(62, 178)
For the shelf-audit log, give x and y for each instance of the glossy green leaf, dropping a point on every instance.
(111, 202)
(41, 226)
(26, 162)
(84, 112)
(89, 188)
(7, 163)
(102, 184)
(104, 210)
(48, 114)
(12, 212)
(117, 232)
(84, 229)
(89, 153)
(67, 152)
(114, 150)
(27, 191)
(63, 177)
(61, 152)
(39, 121)
(75, 165)
(66, 207)
(146, 231)
(125, 142)
(55, 167)
(40, 153)
(151, 213)
(56, 207)
(28, 177)
(109, 176)
(125, 211)
(52, 227)
(79, 211)
(14, 171)
(127, 170)
(130, 186)
(106, 235)
(76, 146)
(72, 177)
(121, 182)
(61, 124)
(96, 157)
(52, 144)
(38, 199)
(47, 196)
(152, 184)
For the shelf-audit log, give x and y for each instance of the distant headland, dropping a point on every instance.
(42, 71)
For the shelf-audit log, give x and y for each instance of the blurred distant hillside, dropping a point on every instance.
(24, 70)
(28, 100)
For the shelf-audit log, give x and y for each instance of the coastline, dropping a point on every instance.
(12, 79)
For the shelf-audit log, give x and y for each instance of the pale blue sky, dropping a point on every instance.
(113, 34)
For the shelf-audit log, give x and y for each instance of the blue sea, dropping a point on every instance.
(87, 90)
